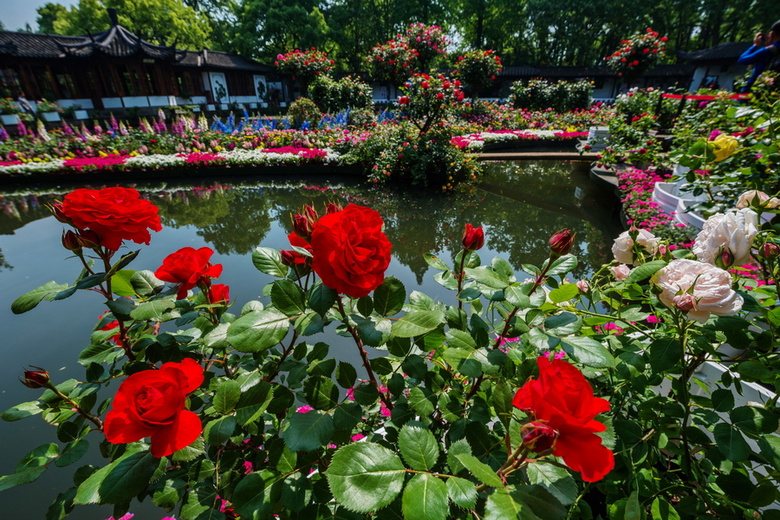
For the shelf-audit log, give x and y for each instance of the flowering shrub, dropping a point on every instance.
(426, 41)
(477, 69)
(304, 110)
(333, 96)
(637, 54)
(393, 61)
(304, 65)
(427, 99)
(561, 96)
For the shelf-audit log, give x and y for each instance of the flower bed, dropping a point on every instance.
(482, 139)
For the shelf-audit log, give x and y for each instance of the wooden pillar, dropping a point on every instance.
(53, 82)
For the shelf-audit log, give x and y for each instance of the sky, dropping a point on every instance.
(16, 13)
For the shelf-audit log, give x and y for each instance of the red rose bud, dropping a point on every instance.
(90, 239)
(288, 257)
(725, 259)
(332, 208)
(473, 238)
(301, 226)
(70, 241)
(219, 293)
(538, 437)
(311, 214)
(56, 210)
(685, 302)
(769, 251)
(562, 242)
(35, 378)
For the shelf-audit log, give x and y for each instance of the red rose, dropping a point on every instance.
(297, 241)
(563, 400)
(188, 267)
(116, 214)
(473, 238)
(351, 253)
(219, 293)
(151, 404)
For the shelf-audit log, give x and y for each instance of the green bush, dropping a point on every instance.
(302, 110)
(333, 96)
(561, 96)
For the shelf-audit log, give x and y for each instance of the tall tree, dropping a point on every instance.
(48, 14)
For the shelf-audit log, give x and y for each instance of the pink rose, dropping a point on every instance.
(620, 271)
(698, 289)
(733, 231)
(623, 248)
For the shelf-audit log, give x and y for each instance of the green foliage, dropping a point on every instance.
(333, 96)
(541, 94)
(477, 69)
(304, 110)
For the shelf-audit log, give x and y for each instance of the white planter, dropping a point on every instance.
(223, 106)
(50, 116)
(9, 119)
(80, 114)
(210, 107)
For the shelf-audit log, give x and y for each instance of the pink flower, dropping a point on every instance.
(357, 437)
(620, 271)
(304, 409)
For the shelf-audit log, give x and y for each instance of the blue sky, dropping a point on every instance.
(16, 13)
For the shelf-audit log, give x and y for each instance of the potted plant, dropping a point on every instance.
(49, 110)
(9, 111)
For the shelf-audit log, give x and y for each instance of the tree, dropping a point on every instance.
(162, 22)
(47, 15)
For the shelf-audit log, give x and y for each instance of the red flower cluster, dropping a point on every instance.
(115, 214)
(95, 163)
(151, 404)
(562, 400)
(393, 61)
(306, 153)
(350, 252)
(189, 267)
(637, 53)
(306, 65)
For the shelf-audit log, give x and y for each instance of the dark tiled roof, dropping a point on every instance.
(723, 52)
(32, 45)
(117, 42)
(222, 60)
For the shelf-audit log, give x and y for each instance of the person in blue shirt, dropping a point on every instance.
(761, 54)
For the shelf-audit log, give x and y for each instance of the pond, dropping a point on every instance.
(520, 206)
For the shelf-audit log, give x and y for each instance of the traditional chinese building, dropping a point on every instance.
(117, 69)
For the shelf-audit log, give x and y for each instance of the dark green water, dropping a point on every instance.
(519, 204)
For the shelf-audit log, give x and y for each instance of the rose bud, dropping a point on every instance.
(70, 241)
(332, 208)
(725, 259)
(473, 238)
(56, 210)
(35, 378)
(538, 437)
(311, 214)
(301, 226)
(685, 302)
(769, 251)
(583, 286)
(562, 242)
(90, 239)
(288, 257)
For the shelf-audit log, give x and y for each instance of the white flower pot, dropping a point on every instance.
(9, 119)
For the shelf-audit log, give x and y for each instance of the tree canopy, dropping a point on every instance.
(522, 32)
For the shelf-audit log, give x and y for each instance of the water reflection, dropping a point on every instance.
(521, 205)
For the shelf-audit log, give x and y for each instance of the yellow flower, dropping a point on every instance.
(724, 146)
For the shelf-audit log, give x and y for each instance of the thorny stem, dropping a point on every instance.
(461, 276)
(94, 419)
(364, 356)
(285, 353)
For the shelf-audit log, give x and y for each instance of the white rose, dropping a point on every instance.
(623, 248)
(698, 288)
(747, 198)
(734, 230)
(620, 271)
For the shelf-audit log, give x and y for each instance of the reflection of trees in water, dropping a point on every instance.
(521, 205)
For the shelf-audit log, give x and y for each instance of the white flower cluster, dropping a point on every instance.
(31, 167)
(155, 161)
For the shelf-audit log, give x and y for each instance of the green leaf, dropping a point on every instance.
(390, 296)
(296, 491)
(321, 393)
(227, 397)
(17, 479)
(516, 295)
(145, 283)
(754, 420)
(730, 442)
(723, 400)
(435, 262)
(487, 276)
(770, 449)
(418, 447)
(309, 323)
(121, 285)
(425, 497)
(482, 472)
(217, 431)
(555, 480)
(502, 505)
(269, 261)
(72, 452)
(258, 330)
(171, 492)
(374, 331)
(645, 271)
(563, 324)
(155, 310)
(288, 297)
(664, 354)
(22, 410)
(662, 510)
(365, 477)
(253, 403)
(346, 374)
(119, 481)
(462, 492)
(588, 351)
(564, 293)
(308, 431)
(472, 363)
(417, 323)
(422, 404)
(562, 265)
(256, 494)
(633, 510)
(31, 299)
(460, 339)
(322, 298)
